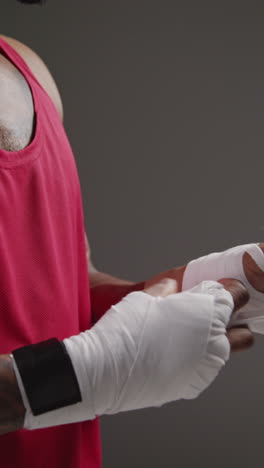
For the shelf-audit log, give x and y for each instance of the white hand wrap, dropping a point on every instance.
(146, 351)
(228, 264)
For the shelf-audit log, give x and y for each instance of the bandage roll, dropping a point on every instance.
(144, 352)
(229, 264)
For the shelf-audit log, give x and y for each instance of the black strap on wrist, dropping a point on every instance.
(48, 375)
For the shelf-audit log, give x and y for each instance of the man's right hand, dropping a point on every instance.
(240, 338)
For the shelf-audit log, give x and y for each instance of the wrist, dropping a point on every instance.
(174, 273)
(136, 287)
(12, 409)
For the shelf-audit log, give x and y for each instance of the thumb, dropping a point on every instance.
(165, 287)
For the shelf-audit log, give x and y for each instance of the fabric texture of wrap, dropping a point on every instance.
(229, 264)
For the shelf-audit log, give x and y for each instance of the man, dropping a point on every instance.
(77, 444)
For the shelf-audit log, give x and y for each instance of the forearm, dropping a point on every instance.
(107, 290)
(174, 273)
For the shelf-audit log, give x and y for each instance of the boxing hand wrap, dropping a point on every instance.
(228, 264)
(39, 361)
(145, 351)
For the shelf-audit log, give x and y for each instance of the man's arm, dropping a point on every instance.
(105, 289)
(143, 344)
(12, 409)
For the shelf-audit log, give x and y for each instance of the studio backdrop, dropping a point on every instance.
(164, 108)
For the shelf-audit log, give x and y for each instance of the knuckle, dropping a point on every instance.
(261, 245)
(249, 340)
(237, 290)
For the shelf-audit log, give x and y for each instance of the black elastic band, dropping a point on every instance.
(48, 375)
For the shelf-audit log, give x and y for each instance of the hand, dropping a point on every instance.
(240, 338)
(12, 410)
(254, 274)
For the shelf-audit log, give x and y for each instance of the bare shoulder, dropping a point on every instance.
(39, 69)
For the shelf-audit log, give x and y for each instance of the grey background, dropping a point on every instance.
(164, 108)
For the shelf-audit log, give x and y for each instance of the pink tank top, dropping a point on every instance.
(44, 286)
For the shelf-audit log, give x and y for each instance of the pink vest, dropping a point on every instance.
(44, 286)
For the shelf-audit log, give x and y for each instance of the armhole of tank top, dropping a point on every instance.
(26, 69)
(10, 159)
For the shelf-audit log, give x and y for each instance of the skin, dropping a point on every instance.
(105, 289)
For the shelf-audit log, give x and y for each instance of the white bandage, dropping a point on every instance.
(228, 264)
(146, 351)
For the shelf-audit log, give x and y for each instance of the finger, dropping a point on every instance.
(237, 290)
(165, 287)
(240, 338)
